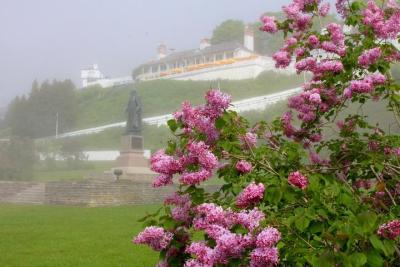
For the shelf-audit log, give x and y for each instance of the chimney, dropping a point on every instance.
(161, 51)
(249, 37)
(204, 43)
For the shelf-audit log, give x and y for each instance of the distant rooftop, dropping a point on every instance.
(192, 53)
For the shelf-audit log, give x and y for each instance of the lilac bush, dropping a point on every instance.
(292, 194)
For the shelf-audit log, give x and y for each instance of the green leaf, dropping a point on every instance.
(377, 243)
(173, 125)
(220, 123)
(302, 223)
(375, 259)
(367, 220)
(355, 260)
(273, 195)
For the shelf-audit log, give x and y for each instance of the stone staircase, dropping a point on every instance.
(22, 192)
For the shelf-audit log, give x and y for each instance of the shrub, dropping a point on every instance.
(291, 196)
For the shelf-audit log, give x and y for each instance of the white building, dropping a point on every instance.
(231, 61)
(92, 76)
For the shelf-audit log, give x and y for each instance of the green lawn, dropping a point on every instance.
(57, 236)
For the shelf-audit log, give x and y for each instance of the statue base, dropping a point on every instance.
(131, 153)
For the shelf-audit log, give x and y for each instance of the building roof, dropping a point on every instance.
(212, 49)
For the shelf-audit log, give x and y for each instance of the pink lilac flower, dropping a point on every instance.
(329, 47)
(250, 219)
(369, 57)
(162, 180)
(384, 28)
(205, 157)
(282, 59)
(268, 237)
(252, 194)
(249, 139)
(202, 118)
(315, 98)
(336, 32)
(366, 85)
(215, 231)
(306, 64)
(392, 4)
(269, 24)
(324, 9)
(299, 51)
(230, 245)
(182, 209)
(294, 11)
(244, 166)
(341, 7)
(195, 263)
(165, 164)
(330, 65)
(264, 257)
(208, 214)
(193, 178)
(156, 237)
(390, 230)
(218, 99)
(203, 253)
(298, 180)
(313, 41)
(288, 129)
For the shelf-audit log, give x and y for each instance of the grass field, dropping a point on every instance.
(58, 236)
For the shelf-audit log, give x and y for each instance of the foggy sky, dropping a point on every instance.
(54, 39)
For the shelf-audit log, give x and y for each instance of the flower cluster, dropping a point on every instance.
(265, 253)
(202, 118)
(198, 153)
(252, 194)
(390, 230)
(385, 27)
(155, 237)
(366, 85)
(249, 139)
(166, 166)
(217, 224)
(269, 24)
(244, 166)
(296, 179)
(181, 211)
(369, 57)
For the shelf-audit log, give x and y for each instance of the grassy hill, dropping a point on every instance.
(156, 137)
(99, 106)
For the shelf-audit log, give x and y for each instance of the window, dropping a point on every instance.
(229, 55)
(219, 57)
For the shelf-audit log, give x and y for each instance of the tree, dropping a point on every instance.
(36, 115)
(228, 31)
(16, 159)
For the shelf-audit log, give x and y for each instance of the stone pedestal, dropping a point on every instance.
(131, 161)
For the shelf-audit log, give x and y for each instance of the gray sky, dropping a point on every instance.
(54, 39)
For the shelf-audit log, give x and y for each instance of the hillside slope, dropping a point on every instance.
(99, 106)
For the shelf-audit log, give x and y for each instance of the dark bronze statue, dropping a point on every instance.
(134, 110)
